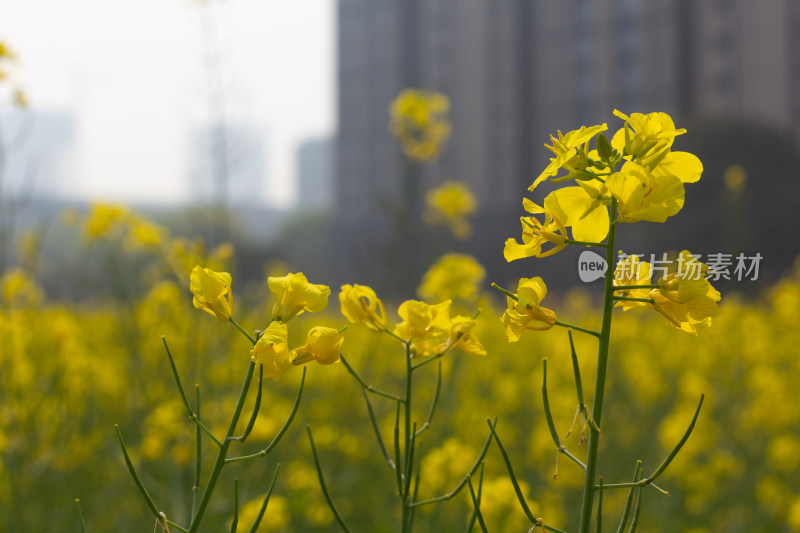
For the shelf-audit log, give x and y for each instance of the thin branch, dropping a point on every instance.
(463, 482)
(256, 407)
(512, 475)
(549, 417)
(136, 479)
(377, 430)
(281, 432)
(365, 384)
(435, 400)
(263, 509)
(477, 506)
(324, 488)
(626, 511)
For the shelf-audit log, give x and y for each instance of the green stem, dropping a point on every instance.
(504, 291)
(629, 287)
(408, 442)
(198, 455)
(265, 502)
(549, 418)
(578, 328)
(223, 451)
(367, 385)
(585, 243)
(600, 382)
(323, 486)
(240, 328)
(136, 479)
(476, 504)
(632, 299)
(80, 515)
(235, 521)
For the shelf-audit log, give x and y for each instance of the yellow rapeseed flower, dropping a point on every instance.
(642, 195)
(421, 320)
(451, 204)
(272, 350)
(452, 277)
(212, 292)
(535, 234)
(104, 220)
(462, 338)
(645, 136)
(322, 344)
(570, 151)
(294, 294)
(525, 312)
(419, 121)
(582, 207)
(360, 304)
(632, 271)
(685, 297)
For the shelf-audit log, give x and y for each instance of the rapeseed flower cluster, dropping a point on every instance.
(450, 204)
(420, 123)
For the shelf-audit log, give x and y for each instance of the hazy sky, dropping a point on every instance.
(133, 74)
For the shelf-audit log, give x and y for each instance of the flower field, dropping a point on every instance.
(70, 371)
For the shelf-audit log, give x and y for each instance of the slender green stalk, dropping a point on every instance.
(506, 292)
(240, 328)
(223, 451)
(636, 510)
(474, 517)
(263, 509)
(512, 475)
(282, 431)
(198, 455)
(136, 479)
(235, 521)
(584, 243)
(630, 287)
(632, 299)
(463, 482)
(398, 473)
(428, 360)
(408, 439)
(377, 430)
(576, 370)
(435, 400)
(600, 383)
(549, 417)
(177, 377)
(477, 506)
(667, 460)
(367, 385)
(599, 522)
(324, 487)
(195, 417)
(80, 515)
(416, 488)
(256, 407)
(626, 511)
(578, 328)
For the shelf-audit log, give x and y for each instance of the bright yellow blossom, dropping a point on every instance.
(294, 294)
(525, 312)
(451, 204)
(535, 234)
(419, 121)
(685, 297)
(453, 276)
(645, 136)
(583, 208)
(322, 344)
(421, 320)
(105, 219)
(570, 151)
(272, 350)
(642, 195)
(212, 292)
(462, 338)
(632, 271)
(360, 304)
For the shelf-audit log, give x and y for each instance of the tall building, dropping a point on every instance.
(315, 174)
(517, 70)
(37, 148)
